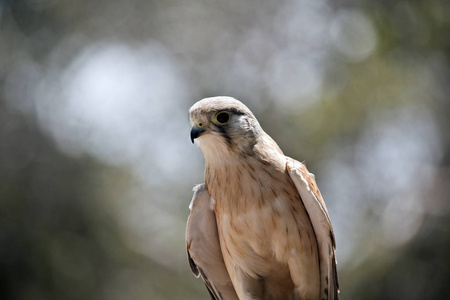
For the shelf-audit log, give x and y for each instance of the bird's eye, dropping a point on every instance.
(222, 118)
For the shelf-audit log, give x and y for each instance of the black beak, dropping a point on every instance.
(196, 132)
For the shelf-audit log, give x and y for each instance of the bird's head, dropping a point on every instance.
(223, 126)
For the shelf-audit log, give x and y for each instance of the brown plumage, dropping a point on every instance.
(258, 226)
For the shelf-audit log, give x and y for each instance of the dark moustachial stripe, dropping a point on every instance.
(225, 134)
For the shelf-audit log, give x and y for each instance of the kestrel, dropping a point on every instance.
(258, 227)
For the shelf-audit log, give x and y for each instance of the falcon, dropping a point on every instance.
(258, 227)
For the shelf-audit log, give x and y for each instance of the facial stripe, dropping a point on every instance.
(225, 134)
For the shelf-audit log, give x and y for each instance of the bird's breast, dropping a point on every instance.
(260, 217)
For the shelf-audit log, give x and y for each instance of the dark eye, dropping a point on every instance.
(222, 117)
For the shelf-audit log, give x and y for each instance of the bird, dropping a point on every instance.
(258, 227)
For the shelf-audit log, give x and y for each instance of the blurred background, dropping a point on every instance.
(96, 165)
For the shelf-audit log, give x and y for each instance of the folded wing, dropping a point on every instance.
(317, 211)
(203, 247)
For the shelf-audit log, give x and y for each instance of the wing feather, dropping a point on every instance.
(203, 247)
(318, 213)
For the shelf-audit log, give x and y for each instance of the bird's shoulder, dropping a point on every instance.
(298, 168)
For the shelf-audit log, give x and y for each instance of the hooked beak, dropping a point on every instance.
(196, 132)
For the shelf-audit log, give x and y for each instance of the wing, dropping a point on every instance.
(203, 248)
(317, 211)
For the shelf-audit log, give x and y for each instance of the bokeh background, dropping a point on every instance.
(96, 165)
